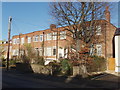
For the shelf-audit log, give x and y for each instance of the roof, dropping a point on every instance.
(117, 32)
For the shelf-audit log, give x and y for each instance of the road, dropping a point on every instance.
(19, 80)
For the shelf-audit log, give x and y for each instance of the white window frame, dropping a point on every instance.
(98, 30)
(49, 51)
(99, 49)
(29, 39)
(22, 40)
(54, 47)
(14, 41)
(63, 35)
(41, 37)
(49, 36)
(17, 40)
(54, 35)
(36, 38)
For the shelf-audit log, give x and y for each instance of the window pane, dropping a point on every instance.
(54, 51)
(63, 35)
(54, 35)
(41, 38)
(98, 30)
(49, 36)
(29, 39)
(22, 40)
(99, 50)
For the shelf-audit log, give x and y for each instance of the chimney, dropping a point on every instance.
(52, 26)
(107, 14)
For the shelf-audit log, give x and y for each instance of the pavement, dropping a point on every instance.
(105, 80)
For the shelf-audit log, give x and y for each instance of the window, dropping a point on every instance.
(54, 50)
(98, 30)
(92, 49)
(17, 41)
(99, 49)
(14, 41)
(54, 35)
(29, 39)
(15, 52)
(35, 38)
(41, 38)
(49, 36)
(63, 35)
(48, 53)
(22, 40)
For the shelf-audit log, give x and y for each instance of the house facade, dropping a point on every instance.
(117, 50)
(56, 42)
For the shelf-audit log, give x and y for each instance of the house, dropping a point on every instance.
(4, 48)
(117, 50)
(56, 42)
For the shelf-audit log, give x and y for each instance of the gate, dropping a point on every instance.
(111, 64)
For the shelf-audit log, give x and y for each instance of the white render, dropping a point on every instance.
(117, 53)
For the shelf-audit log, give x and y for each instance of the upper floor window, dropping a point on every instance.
(49, 36)
(29, 39)
(63, 35)
(99, 49)
(54, 35)
(41, 37)
(17, 41)
(22, 40)
(14, 41)
(98, 30)
(35, 39)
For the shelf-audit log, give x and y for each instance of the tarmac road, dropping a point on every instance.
(20, 80)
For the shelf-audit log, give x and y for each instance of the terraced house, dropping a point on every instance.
(56, 42)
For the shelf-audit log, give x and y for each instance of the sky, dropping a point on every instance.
(33, 16)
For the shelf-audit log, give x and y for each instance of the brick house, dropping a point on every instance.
(4, 48)
(57, 47)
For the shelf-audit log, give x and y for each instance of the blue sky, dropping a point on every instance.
(32, 16)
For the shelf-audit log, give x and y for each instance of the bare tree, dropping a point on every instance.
(80, 19)
(76, 17)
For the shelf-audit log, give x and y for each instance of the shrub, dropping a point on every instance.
(97, 64)
(39, 60)
(56, 67)
(66, 67)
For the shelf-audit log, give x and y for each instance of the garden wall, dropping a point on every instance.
(41, 69)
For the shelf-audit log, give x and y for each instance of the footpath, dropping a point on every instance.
(68, 81)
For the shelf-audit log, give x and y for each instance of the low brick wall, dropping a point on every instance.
(41, 69)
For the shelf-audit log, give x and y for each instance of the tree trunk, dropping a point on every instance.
(77, 47)
(83, 69)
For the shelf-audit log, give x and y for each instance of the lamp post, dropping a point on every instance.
(9, 30)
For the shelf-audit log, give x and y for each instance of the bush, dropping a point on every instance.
(97, 64)
(66, 67)
(39, 60)
(56, 67)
